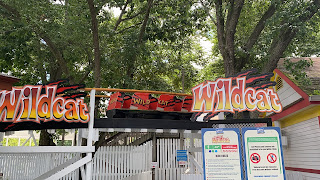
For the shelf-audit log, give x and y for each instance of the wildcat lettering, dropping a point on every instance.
(222, 96)
(29, 104)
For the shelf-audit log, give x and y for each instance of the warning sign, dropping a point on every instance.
(255, 158)
(263, 153)
(221, 154)
(272, 158)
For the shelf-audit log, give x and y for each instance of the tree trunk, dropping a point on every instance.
(96, 46)
(229, 68)
(97, 62)
(46, 139)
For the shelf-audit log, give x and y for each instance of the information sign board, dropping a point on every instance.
(221, 154)
(263, 153)
(182, 155)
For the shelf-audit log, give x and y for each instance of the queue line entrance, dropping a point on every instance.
(158, 145)
(152, 155)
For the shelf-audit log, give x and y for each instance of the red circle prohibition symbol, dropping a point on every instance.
(255, 158)
(272, 158)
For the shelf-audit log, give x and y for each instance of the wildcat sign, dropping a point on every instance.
(40, 103)
(238, 93)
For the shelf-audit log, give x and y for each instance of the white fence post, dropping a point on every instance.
(90, 133)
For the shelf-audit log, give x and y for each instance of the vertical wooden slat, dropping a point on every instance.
(112, 153)
(100, 171)
(130, 161)
(160, 153)
(122, 161)
(179, 173)
(118, 162)
(177, 147)
(144, 158)
(158, 149)
(161, 175)
(95, 165)
(126, 161)
(163, 153)
(108, 162)
(169, 152)
(114, 163)
(93, 176)
(105, 163)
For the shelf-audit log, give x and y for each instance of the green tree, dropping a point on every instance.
(258, 33)
(84, 42)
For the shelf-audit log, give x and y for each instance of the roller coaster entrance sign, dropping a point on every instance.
(44, 105)
(241, 92)
(222, 147)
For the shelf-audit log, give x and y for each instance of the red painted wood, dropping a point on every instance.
(313, 171)
(302, 104)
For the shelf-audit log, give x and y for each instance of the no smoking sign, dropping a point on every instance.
(272, 158)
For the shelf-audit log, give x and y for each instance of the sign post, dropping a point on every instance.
(263, 153)
(221, 154)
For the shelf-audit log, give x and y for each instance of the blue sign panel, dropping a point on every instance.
(182, 155)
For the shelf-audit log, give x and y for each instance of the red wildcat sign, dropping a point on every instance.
(41, 103)
(233, 94)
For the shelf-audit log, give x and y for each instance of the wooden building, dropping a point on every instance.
(299, 121)
(6, 81)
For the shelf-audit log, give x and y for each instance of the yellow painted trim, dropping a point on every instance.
(307, 114)
(273, 79)
(274, 76)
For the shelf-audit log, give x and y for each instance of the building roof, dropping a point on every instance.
(7, 78)
(312, 72)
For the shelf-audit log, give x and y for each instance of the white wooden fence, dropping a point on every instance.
(142, 176)
(191, 176)
(109, 162)
(168, 173)
(169, 168)
(32, 165)
(119, 162)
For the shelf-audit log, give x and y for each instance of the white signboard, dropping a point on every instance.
(263, 153)
(221, 154)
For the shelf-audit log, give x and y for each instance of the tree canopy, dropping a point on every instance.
(151, 44)
(146, 46)
(258, 33)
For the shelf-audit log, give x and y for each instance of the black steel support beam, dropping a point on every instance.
(137, 123)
